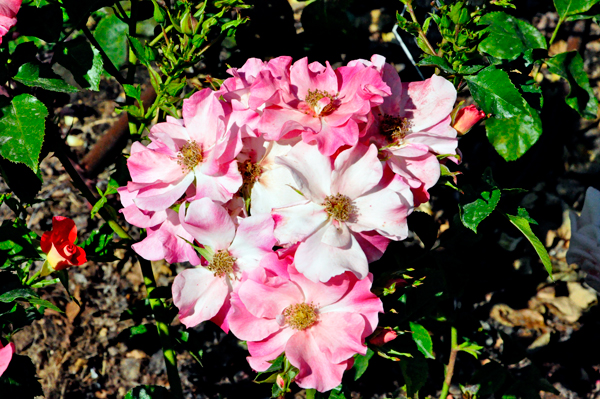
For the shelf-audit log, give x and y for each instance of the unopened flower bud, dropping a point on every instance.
(466, 118)
(280, 382)
(382, 336)
(188, 23)
(159, 13)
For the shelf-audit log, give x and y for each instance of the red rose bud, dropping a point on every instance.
(6, 354)
(466, 118)
(59, 246)
(382, 336)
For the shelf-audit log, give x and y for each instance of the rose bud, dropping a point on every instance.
(6, 354)
(280, 382)
(59, 246)
(382, 336)
(466, 118)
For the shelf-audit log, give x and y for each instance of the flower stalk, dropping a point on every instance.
(454, 349)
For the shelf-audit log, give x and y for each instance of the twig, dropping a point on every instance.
(108, 65)
(454, 349)
(422, 35)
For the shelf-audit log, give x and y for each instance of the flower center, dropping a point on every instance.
(394, 128)
(222, 263)
(321, 102)
(250, 173)
(301, 315)
(189, 156)
(339, 207)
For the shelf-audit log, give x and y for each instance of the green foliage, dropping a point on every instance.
(83, 60)
(361, 362)
(508, 37)
(34, 74)
(522, 223)
(22, 127)
(581, 97)
(479, 203)
(515, 126)
(569, 8)
(111, 34)
(423, 340)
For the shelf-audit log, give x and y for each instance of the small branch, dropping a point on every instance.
(158, 308)
(560, 21)
(422, 35)
(454, 349)
(108, 65)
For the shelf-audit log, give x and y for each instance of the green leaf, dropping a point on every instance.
(508, 37)
(41, 75)
(512, 137)
(337, 393)
(81, 59)
(415, 372)
(149, 392)
(111, 35)
(473, 213)
(22, 129)
(566, 8)
(19, 293)
(133, 92)
(581, 96)
(44, 303)
(522, 224)
(496, 94)
(423, 340)
(434, 60)
(361, 362)
(138, 49)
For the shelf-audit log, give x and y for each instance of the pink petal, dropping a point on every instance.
(312, 77)
(330, 138)
(268, 349)
(372, 243)
(198, 295)
(203, 115)
(428, 102)
(339, 335)
(316, 372)
(269, 300)
(356, 171)
(209, 223)
(253, 240)
(160, 196)
(296, 222)
(322, 294)
(246, 326)
(359, 299)
(150, 166)
(319, 261)
(220, 187)
(311, 171)
(6, 354)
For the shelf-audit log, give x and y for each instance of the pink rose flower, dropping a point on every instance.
(466, 118)
(194, 156)
(8, 13)
(323, 105)
(6, 354)
(202, 293)
(59, 246)
(344, 200)
(319, 326)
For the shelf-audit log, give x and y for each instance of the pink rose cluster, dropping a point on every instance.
(280, 188)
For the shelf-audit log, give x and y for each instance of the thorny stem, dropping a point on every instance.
(422, 35)
(454, 349)
(158, 308)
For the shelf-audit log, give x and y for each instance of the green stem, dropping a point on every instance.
(158, 308)
(108, 65)
(422, 35)
(560, 21)
(85, 191)
(34, 277)
(450, 368)
(160, 36)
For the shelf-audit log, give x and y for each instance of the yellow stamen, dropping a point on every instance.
(301, 315)
(222, 263)
(394, 128)
(339, 207)
(189, 156)
(313, 97)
